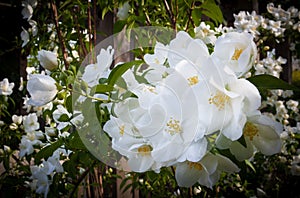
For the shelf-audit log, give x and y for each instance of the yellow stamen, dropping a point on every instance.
(193, 80)
(237, 53)
(220, 100)
(173, 126)
(195, 165)
(145, 150)
(250, 130)
(122, 129)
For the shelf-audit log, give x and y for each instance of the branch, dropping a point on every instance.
(171, 15)
(95, 21)
(59, 34)
(82, 45)
(89, 25)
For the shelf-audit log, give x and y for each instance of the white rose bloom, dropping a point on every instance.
(26, 147)
(207, 171)
(237, 51)
(42, 89)
(6, 88)
(93, 72)
(48, 59)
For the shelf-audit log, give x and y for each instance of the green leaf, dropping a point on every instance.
(118, 71)
(248, 163)
(47, 151)
(265, 81)
(64, 118)
(242, 141)
(74, 142)
(119, 25)
(213, 11)
(102, 88)
(196, 16)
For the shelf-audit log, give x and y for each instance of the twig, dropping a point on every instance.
(190, 17)
(81, 178)
(59, 34)
(89, 18)
(82, 45)
(171, 15)
(95, 21)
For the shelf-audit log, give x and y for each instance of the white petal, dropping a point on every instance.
(186, 175)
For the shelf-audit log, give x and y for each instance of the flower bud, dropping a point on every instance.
(48, 59)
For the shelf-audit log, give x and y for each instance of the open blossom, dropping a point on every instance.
(237, 51)
(207, 171)
(261, 133)
(48, 59)
(42, 89)
(6, 87)
(30, 122)
(100, 69)
(204, 32)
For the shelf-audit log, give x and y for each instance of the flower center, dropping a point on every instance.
(122, 129)
(150, 88)
(144, 150)
(173, 126)
(250, 130)
(219, 100)
(193, 80)
(195, 165)
(237, 53)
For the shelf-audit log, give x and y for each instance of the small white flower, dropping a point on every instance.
(236, 50)
(123, 10)
(17, 119)
(42, 89)
(93, 72)
(48, 59)
(24, 37)
(30, 122)
(6, 88)
(207, 171)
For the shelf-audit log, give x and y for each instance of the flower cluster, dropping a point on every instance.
(190, 105)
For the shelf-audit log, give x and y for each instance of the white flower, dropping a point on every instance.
(207, 171)
(184, 47)
(123, 10)
(17, 119)
(27, 10)
(156, 70)
(26, 147)
(30, 122)
(48, 59)
(21, 87)
(204, 33)
(24, 37)
(61, 113)
(6, 88)
(261, 132)
(41, 178)
(226, 100)
(93, 72)
(159, 128)
(237, 51)
(42, 89)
